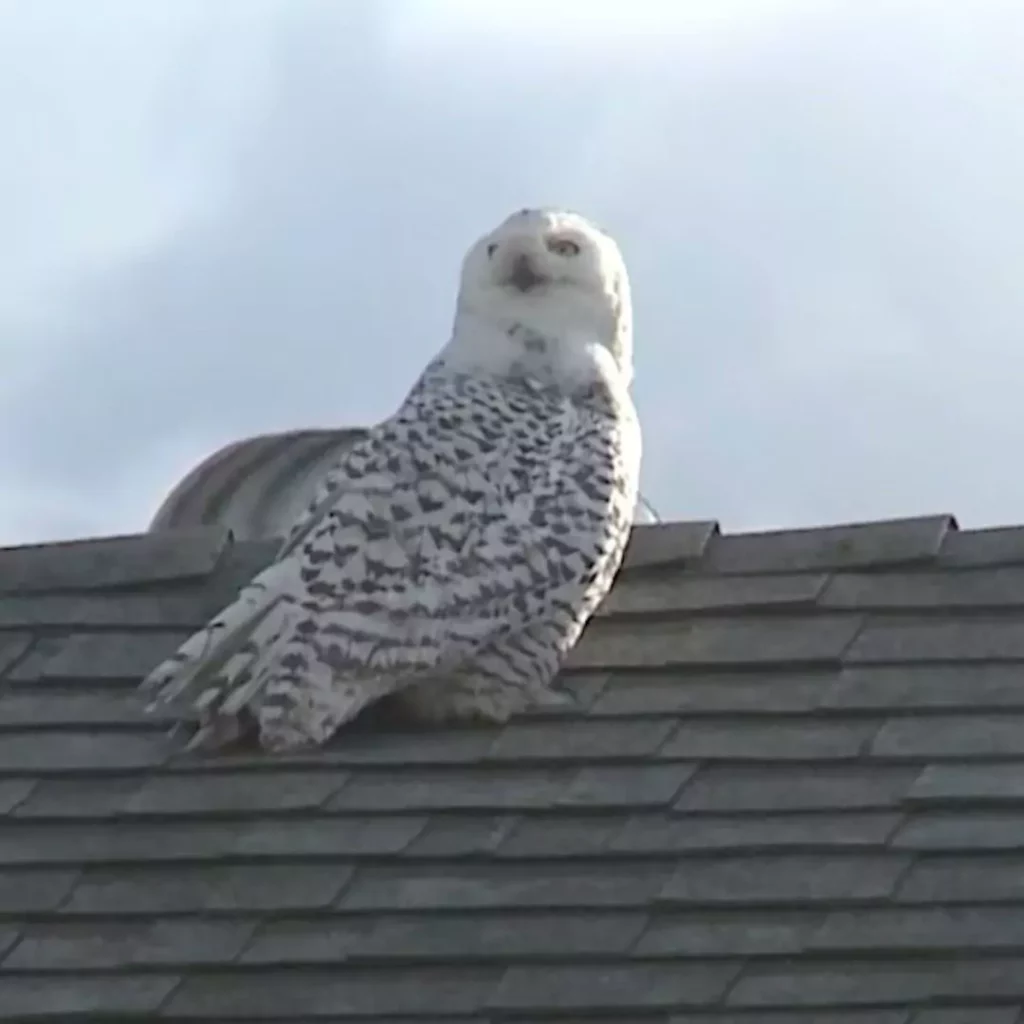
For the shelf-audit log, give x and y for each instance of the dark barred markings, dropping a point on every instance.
(450, 561)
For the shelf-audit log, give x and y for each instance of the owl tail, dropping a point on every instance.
(232, 669)
(212, 674)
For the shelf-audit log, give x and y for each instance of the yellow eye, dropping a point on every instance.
(563, 247)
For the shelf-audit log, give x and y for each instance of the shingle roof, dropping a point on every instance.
(792, 793)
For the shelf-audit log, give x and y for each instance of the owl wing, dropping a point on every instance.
(423, 545)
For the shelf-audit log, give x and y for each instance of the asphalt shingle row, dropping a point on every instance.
(742, 880)
(103, 945)
(767, 643)
(181, 556)
(791, 791)
(414, 993)
(651, 743)
(686, 787)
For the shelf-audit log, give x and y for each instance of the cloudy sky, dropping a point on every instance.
(220, 219)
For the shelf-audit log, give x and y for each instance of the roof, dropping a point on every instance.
(792, 791)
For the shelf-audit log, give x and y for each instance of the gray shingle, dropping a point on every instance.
(30, 842)
(104, 945)
(778, 788)
(509, 1017)
(963, 880)
(715, 641)
(936, 736)
(503, 885)
(984, 979)
(47, 996)
(770, 740)
(54, 751)
(65, 706)
(136, 890)
(968, 1015)
(907, 929)
(652, 833)
(72, 799)
(492, 790)
(975, 687)
(785, 878)
(243, 559)
(969, 783)
(973, 589)
(327, 837)
(681, 592)
(626, 785)
(328, 1018)
(235, 792)
(606, 987)
(106, 609)
(601, 739)
(1001, 545)
(109, 657)
(471, 936)
(34, 891)
(560, 836)
(973, 831)
(703, 934)
(27, 669)
(457, 835)
(668, 543)
(14, 792)
(112, 561)
(874, 1016)
(949, 639)
(9, 935)
(881, 982)
(13, 646)
(360, 747)
(845, 984)
(336, 992)
(433, 747)
(766, 692)
(316, 940)
(859, 545)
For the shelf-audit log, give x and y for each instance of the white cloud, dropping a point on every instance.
(119, 116)
(819, 202)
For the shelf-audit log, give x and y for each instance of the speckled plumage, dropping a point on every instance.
(454, 556)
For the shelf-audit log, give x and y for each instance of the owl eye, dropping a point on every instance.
(563, 247)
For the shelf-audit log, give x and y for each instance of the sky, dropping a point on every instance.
(223, 219)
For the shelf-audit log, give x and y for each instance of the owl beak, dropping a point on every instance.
(523, 276)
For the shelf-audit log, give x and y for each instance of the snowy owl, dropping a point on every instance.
(453, 557)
